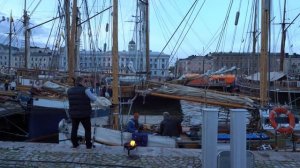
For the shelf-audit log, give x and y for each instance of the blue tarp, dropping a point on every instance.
(250, 136)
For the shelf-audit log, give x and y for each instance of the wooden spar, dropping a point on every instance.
(10, 36)
(154, 83)
(147, 40)
(264, 52)
(27, 38)
(254, 39)
(199, 100)
(283, 36)
(67, 33)
(71, 43)
(115, 66)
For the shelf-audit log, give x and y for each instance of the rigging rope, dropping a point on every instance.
(177, 27)
(236, 24)
(190, 26)
(222, 33)
(161, 22)
(190, 15)
(244, 25)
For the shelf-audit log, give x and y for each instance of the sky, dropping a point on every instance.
(199, 35)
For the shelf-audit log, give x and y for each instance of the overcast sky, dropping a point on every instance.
(165, 15)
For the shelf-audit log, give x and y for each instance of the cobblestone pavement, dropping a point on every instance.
(19, 154)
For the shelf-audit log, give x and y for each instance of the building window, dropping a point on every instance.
(162, 60)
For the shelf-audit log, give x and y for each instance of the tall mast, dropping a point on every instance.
(283, 36)
(147, 40)
(27, 38)
(71, 42)
(115, 66)
(10, 37)
(254, 39)
(265, 10)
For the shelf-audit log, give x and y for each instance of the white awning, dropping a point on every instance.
(274, 76)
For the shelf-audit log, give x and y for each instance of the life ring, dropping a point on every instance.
(276, 112)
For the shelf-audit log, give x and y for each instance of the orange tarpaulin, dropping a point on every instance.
(229, 78)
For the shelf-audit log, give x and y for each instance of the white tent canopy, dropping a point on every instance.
(274, 76)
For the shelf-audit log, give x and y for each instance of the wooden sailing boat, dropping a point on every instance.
(113, 136)
(265, 113)
(271, 86)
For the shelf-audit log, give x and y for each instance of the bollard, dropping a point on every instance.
(209, 137)
(238, 138)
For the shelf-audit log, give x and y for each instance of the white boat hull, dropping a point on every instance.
(112, 137)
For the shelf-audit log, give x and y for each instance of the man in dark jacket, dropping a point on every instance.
(170, 126)
(80, 111)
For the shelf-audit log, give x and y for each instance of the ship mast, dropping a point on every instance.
(283, 36)
(10, 39)
(27, 38)
(254, 39)
(147, 41)
(71, 39)
(115, 67)
(265, 10)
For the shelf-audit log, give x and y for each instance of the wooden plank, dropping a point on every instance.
(201, 100)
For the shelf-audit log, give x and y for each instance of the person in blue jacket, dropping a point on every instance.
(133, 124)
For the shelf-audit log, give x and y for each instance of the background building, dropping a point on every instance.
(99, 61)
(194, 64)
(246, 63)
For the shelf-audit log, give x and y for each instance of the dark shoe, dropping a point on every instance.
(90, 147)
(75, 146)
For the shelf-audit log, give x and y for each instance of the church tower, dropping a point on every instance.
(131, 46)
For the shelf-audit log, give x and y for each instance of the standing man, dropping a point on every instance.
(80, 110)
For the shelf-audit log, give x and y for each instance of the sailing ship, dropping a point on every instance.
(279, 118)
(282, 86)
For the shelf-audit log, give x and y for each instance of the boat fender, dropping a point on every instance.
(276, 112)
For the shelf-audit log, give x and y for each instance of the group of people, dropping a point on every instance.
(169, 126)
(10, 85)
(80, 110)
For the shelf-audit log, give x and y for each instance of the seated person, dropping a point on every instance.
(170, 126)
(133, 124)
